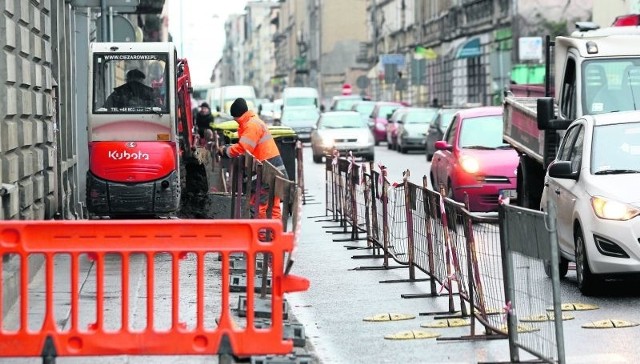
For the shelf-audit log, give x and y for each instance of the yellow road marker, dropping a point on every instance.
(549, 316)
(521, 328)
(609, 324)
(437, 324)
(576, 307)
(412, 335)
(382, 317)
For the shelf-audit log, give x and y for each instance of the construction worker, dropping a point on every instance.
(255, 138)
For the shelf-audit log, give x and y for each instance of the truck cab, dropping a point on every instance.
(596, 71)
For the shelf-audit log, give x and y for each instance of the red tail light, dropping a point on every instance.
(627, 20)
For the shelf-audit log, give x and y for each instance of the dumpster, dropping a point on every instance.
(284, 137)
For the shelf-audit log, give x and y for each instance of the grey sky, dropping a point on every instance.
(201, 37)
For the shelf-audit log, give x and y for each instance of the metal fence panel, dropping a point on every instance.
(532, 299)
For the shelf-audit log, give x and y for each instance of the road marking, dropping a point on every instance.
(437, 324)
(521, 328)
(576, 307)
(609, 324)
(389, 317)
(412, 335)
(549, 316)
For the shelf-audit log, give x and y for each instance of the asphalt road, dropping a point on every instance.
(341, 297)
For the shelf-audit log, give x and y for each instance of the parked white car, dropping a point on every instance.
(595, 184)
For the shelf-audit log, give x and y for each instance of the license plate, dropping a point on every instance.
(509, 194)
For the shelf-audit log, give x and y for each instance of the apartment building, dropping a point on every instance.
(460, 51)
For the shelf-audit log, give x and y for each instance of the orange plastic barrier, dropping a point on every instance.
(127, 237)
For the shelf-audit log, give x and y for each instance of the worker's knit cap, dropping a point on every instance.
(239, 107)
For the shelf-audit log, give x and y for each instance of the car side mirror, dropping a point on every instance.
(562, 169)
(443, 145)
(546, 115)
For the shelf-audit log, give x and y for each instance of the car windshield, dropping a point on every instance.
(345, 104)
(300, 101)
(300, 117)
(341, 121)
(611, 85)
(445, 118)
(131, 83)
(420, 117)
(484, 132)
(616, 148)
(385, 110)
(365, 108)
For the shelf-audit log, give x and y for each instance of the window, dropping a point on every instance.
(130, 83)
(451, 132)
(610, 85)
(576, 151)
(475, 79)
(564, 153)
(568, 92)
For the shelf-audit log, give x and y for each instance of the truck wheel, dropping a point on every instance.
(563, 268)
(588, 283)
(530, 183)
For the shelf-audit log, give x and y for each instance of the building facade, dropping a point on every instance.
(458, 51)
(44, 106)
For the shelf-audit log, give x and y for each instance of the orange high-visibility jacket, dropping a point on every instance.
(255, 138)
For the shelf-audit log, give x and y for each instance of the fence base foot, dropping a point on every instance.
(317, 217)
(372, 256)
(478, 337)
(379, 268)
(351, 247)
(437, 313)
(405, 280)
(338, 232)
(425, 295)
(343, 240)
(444, 317)
(511, 362)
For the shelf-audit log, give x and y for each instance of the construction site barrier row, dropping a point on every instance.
(97, 241)
(464, 255)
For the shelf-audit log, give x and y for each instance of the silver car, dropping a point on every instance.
(343, 131)
(412, 128)
(301, 119)
(593, 183)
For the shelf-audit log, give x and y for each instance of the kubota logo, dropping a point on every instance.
(128, 156)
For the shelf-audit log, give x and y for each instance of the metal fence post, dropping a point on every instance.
(385, 220)
(409, 216)
(507, 268)
(429, 211)
(555, 278)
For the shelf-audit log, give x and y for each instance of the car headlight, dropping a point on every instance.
(469, 164)
(613, 210)
(326, 141)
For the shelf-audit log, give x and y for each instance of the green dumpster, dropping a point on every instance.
(284, 137)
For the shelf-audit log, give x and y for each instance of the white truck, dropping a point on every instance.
(594, 72)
